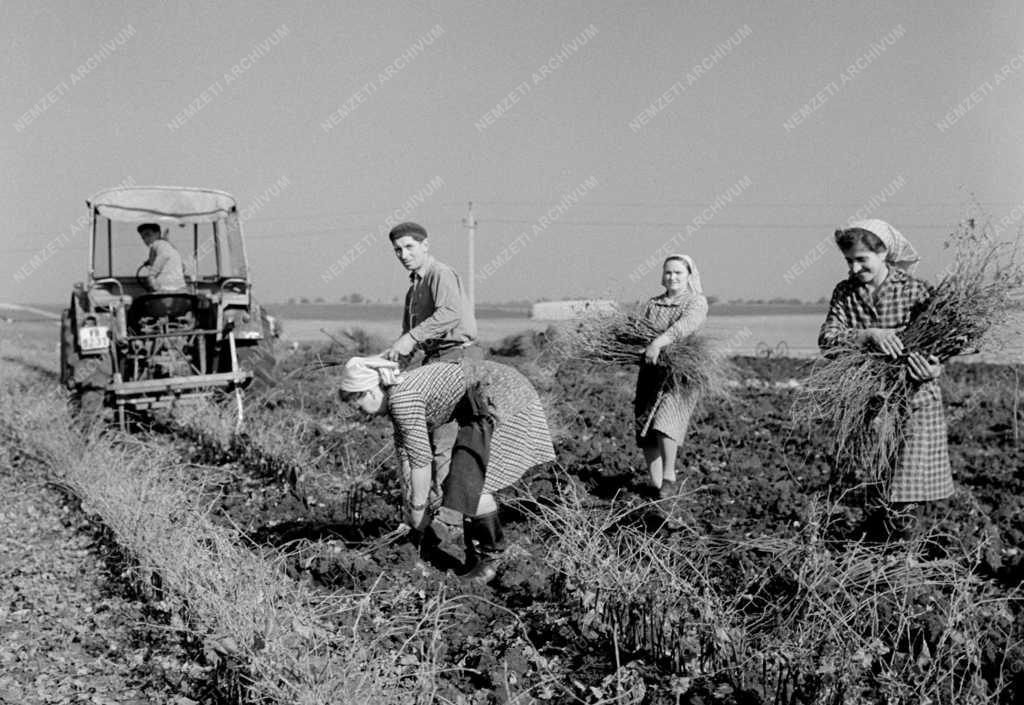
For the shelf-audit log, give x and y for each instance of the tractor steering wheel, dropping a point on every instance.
(139, 278)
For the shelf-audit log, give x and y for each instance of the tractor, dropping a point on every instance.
(128, 346)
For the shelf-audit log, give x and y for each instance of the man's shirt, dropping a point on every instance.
(437, 313)
(165, 268)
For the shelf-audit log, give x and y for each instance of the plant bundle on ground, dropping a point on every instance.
(783, 620)
(695, 362)
(851, 622)
(863, 396)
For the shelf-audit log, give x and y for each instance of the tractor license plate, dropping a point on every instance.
(93, 337)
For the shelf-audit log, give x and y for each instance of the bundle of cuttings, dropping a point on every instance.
(695, 362)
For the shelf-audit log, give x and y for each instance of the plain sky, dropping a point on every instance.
(396, 131)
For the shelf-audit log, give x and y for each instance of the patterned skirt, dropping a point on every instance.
(660, 406)
(518, 444)
(923, 472)
(521, 439)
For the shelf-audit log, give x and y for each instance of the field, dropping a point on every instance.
(751, 328)
(748, 329)
(756, 585)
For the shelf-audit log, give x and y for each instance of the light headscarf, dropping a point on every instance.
(692, 281)
(362, 374)
(898, 250)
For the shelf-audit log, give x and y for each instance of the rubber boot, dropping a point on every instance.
(487, 531)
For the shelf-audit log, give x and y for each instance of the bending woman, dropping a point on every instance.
(503, 433)
(661, 409)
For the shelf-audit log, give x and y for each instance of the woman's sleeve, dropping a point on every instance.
(837, 328)
(412, 438)
(642, 310)
(692, 319)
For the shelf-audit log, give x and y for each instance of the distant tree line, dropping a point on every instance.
(357, 298)
(777, 300)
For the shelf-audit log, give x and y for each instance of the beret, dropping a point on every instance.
(415, 230)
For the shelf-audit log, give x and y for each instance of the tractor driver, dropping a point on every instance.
(166, 271)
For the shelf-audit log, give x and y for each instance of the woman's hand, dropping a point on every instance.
(885, 339)
(922, 369)
(653, 350)
(417, 496)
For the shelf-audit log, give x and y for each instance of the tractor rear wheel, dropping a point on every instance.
(67, 348)
(80, 375)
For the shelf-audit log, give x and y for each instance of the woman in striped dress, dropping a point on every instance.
(869, 309)
(661, 409)
(515, 437)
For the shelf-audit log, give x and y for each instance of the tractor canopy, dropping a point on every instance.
(202, 224)
(164, 204)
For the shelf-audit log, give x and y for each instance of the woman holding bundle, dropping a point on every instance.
(663, 406)
(869, 309)
(502, 433)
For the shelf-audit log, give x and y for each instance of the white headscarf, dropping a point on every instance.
(693, 281)
(362, 374)
(899, 252)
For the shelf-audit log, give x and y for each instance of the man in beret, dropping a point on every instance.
(438, 320)
(166, 271)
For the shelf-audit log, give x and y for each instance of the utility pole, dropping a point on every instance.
(470, 222)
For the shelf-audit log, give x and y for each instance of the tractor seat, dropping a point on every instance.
(161, 304)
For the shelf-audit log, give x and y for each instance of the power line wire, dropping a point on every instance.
(544, 204)
(761, 204)
(375, 225)
(682, 224)
(632, 224)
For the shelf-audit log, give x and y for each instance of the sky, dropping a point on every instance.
(591, 137)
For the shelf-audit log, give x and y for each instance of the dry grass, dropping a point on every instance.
(785, 620)
(971, 297)
(863, 396)
(296, 447)
(285, 642)
(650, 595)
(841, 621)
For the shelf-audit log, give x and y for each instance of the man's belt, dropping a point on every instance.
(456, 350)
